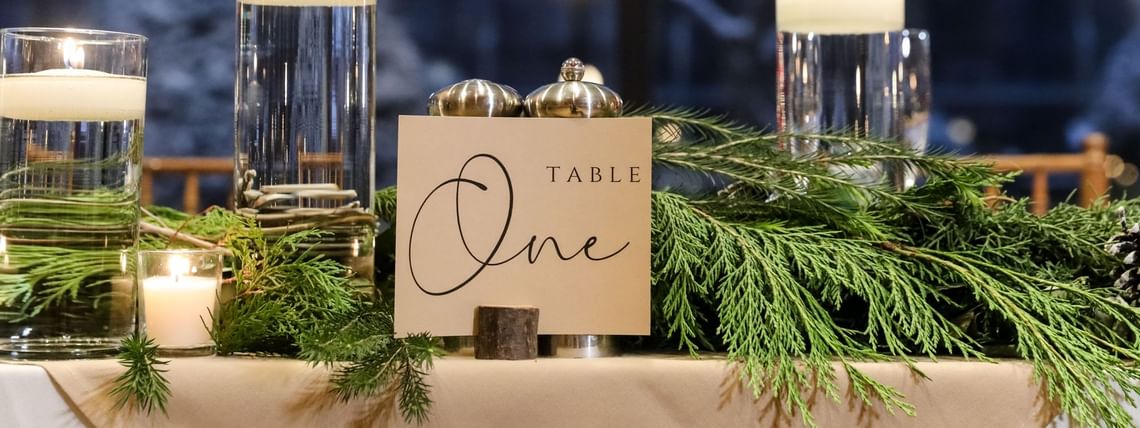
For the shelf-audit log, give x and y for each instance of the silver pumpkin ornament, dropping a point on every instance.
(475, 97)
(573, 98)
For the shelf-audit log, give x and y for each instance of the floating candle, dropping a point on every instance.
(840, 16)
(72, 95)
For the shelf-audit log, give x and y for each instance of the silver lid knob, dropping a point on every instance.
(572, 70)
(573, 97)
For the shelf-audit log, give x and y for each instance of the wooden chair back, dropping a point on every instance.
(1090, 165)
(192, 168)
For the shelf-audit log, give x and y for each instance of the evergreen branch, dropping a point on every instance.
(142, 386)
(805, 264)
(777, 288)
(290, 301)
(384, 204)
(1079, 371)
(671, 123)
(174, 235)
(370, 361)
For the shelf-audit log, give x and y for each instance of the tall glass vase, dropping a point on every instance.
(915, 98)
(305, 107)
(839, 83)
(71, 135)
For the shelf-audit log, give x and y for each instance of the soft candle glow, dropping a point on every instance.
(72, 95)
(840, 16)
(179, 266)
(73, 56)
(4, 250)
(178, 305)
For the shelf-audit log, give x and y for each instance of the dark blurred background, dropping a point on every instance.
(1011, 76)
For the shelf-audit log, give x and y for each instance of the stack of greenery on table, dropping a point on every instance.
(789, 266)
(286, 302)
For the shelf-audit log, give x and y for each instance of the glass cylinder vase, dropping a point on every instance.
(838, 84)
(304, 105)
(916, 100)
(71, 135)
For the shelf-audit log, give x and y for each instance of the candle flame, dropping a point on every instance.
(73, 56)
(178, 266)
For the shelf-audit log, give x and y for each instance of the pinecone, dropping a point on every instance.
(1127, 244)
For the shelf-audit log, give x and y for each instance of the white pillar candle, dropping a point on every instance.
(177, 308)
(72, 95)
(840, 16)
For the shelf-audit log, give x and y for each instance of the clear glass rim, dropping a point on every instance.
(47, 34)
(905, 32)
(189, 251)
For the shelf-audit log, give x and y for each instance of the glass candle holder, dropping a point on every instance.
(71, 135)
(180, 294)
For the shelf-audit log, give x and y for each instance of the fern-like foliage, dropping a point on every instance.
(793, 266)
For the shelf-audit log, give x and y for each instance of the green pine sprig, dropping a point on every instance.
(290, 301)
(142, 386)
(369, 361)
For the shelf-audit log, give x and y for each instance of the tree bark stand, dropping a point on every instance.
(506, 333)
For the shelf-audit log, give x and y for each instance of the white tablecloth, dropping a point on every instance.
(28, 399)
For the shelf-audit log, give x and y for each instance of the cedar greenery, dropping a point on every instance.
(373, 363)
(793, 261)
(143, 384)
(290, 302)
(790, 266)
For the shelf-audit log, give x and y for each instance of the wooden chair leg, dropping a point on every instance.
(147, 189)
(190, 197)
(1094, 179)
(1040, 192)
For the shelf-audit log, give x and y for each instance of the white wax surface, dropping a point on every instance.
(72, 95)
(300, 3)
(840, 16)
(176, 308)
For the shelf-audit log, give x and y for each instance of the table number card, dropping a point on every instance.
(552, 213)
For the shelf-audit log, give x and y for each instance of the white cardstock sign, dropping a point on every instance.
(552, 213)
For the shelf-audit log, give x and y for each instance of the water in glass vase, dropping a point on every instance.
(68, 223)
(304, 124)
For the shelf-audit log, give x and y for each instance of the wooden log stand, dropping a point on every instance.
(506, 333)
